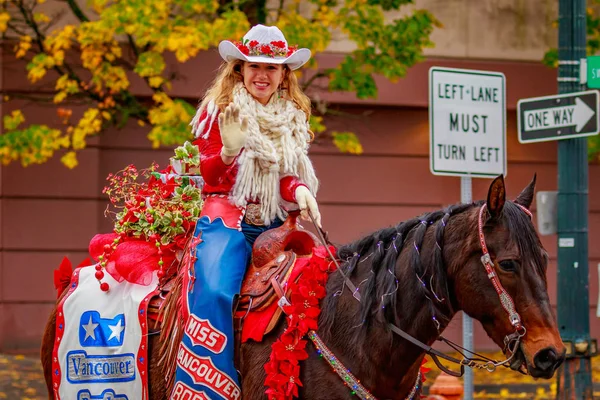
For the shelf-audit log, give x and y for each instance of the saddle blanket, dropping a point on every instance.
(101, 346)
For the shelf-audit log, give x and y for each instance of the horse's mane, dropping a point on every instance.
(380, 251)
(523, 234)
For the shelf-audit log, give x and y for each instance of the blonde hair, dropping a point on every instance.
(230, 73)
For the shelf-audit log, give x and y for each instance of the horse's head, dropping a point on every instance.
(507, 291)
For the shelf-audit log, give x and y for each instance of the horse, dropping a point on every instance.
(394, 293)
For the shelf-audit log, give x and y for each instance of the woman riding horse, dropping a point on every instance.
(396, 289)
(253, 134)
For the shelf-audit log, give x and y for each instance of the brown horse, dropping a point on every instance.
(412, 279)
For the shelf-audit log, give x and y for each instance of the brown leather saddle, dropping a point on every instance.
(274, 255)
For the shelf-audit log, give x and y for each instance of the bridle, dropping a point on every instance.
(511, 341)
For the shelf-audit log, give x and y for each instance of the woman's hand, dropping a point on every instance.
(307, 203)
(233, 132)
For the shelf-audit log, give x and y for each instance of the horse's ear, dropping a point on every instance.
(525, 198)
(496, 196)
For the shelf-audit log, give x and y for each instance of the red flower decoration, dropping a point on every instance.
(293, 372)
(266, 49)
(291, 50)
(156, 218)
(276, 48)
(167, 189)
(424, 370)
(245, 50)
(283, 368)
(241, 47)
(288, 348)
(312, 293)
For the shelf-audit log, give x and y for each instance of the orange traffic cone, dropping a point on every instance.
(446, 387)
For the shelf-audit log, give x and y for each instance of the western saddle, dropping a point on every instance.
(274, 255)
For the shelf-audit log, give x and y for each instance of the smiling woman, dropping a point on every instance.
(262, 80)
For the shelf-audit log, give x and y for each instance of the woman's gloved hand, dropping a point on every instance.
(233, 130)
(307, 203)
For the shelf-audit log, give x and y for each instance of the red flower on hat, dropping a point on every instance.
(241, 47)
(276, 48)
(291, 50)
(266, 50)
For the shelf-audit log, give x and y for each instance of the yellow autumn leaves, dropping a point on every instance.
(96, 43)
(170, 120)
(346, 142)
(93, 62)
(35, 144)
(30, 145)
(4, 18)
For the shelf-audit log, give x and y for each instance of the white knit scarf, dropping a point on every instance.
(276, 146)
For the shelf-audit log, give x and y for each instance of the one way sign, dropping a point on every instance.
(563, 116)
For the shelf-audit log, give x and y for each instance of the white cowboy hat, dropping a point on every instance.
(264, 44)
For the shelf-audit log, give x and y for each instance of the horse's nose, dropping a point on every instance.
(547, 360)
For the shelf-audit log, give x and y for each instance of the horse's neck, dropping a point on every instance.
(379, 358)
(383, 362)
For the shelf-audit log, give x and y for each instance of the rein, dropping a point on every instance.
(511, 341)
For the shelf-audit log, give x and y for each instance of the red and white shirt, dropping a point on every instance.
(220, 177)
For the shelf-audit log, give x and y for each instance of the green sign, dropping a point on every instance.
(593, 72)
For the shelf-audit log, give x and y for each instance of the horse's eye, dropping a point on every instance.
(509, 265)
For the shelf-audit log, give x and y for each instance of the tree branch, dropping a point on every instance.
(16, 30)
(134, 47)
(77, 11)
(261, 11)
(46, 100)
(316, 76)
(280, 9)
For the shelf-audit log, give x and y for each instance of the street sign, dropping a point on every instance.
(593, 72)
(467, 122)
(563, 116)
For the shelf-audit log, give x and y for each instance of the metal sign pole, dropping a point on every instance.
(466, 196)
(574, 377)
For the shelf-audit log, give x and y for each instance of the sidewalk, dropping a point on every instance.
(21, 378)
(505, 383)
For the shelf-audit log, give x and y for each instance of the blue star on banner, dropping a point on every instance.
(95, 331)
